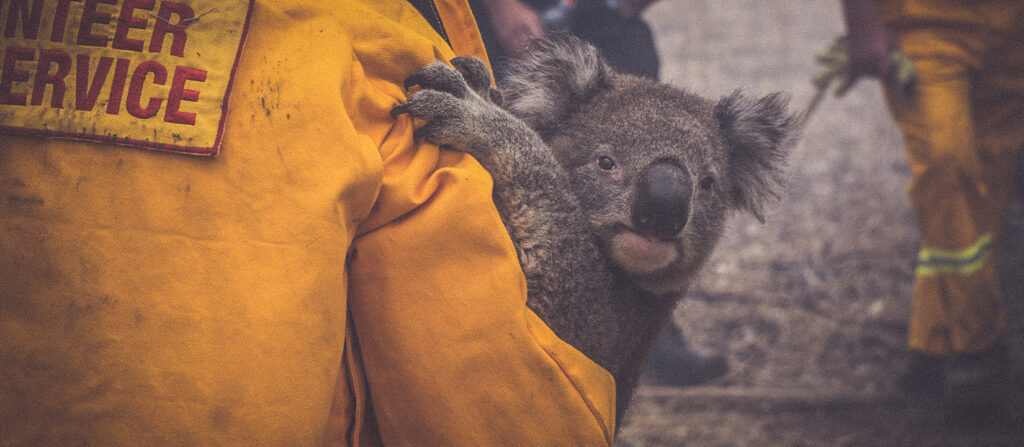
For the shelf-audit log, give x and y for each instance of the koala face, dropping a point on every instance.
(656, 168)
(648, 166)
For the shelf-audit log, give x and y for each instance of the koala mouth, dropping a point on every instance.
(642, 254)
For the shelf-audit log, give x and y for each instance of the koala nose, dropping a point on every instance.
(662, 206)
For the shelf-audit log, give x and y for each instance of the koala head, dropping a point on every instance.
(656, 168)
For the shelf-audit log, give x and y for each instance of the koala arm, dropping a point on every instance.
(564, 270)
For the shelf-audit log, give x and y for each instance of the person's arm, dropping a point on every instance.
(515, 23)
(868, 41)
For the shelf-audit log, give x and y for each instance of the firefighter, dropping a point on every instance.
(213, 233)
(963, 133)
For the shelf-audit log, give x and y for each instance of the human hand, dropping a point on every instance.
(515, 23)
(868, 42)
(868, 50)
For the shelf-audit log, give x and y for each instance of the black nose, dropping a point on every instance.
(662, 206)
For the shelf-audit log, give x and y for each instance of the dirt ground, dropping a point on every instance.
(811, 308)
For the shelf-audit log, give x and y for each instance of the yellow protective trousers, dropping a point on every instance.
(322, 280)
(963, 131)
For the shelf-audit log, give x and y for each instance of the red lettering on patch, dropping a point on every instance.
(132, 103)
(60, 20)
(86, 92)
(91, 16)
(177, 29)
(11, 74)
(129, 87)
(29, 18)
(180, 93)
(44, 77)
(117, 87)
(126, 21)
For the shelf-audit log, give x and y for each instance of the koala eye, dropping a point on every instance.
(606, 163)
(707, 183)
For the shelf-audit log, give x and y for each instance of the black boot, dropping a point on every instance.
(923, 375)
(977, 387)
(673, 362)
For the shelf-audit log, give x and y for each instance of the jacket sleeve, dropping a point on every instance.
(451, 353)
(322, 275)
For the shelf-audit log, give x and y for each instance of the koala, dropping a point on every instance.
(614, 188)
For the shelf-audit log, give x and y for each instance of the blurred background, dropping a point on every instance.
(810, 308)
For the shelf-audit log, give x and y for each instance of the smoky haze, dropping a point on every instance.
(811, 308)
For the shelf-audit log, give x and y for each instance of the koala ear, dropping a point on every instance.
(758, 135)
(551, 80)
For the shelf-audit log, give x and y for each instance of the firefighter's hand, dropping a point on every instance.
(868, 42)
(869, 53)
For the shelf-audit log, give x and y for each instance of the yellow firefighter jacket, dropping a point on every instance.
(321, 280)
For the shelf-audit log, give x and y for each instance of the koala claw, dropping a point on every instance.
(478, 77)
(457, 114)
(440, 89)
(438, 76)
(455, 122)
(429, 105)
(400, 109)
(474, 71)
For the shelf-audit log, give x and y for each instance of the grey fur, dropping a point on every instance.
(600, 286)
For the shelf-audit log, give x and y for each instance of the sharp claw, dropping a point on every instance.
(411, 81)
(474, 72)
(399, 110)
(460, 63)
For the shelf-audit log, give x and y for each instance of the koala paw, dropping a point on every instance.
(456, 103)
(478, 77)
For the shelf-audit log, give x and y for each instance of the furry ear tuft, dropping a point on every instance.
(759, 134)
(551, 79)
